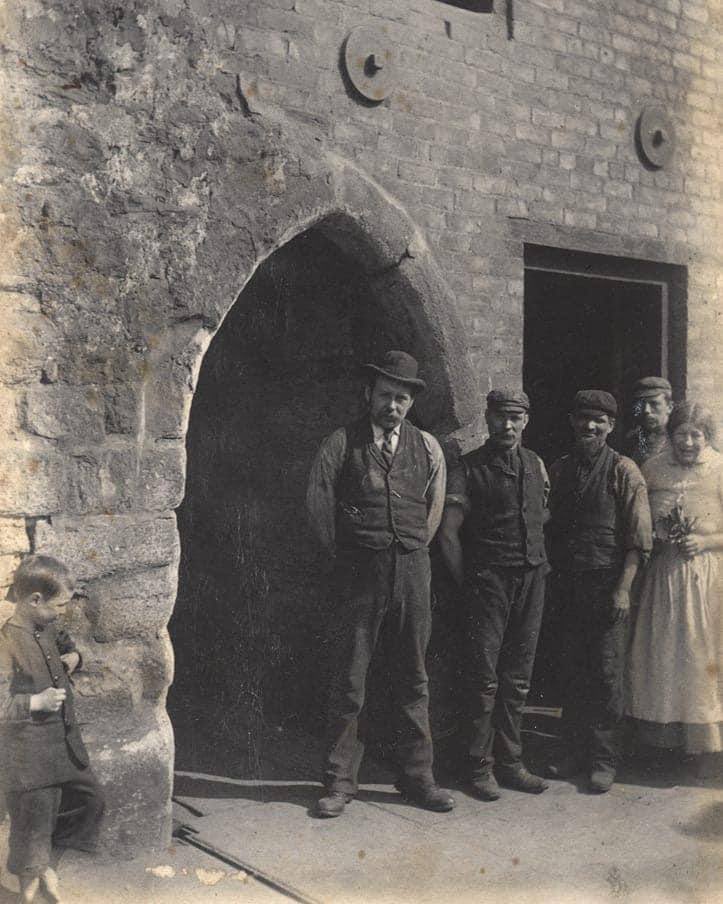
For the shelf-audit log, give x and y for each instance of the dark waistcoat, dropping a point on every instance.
(586, 528)
(378, 504)
(505, 524)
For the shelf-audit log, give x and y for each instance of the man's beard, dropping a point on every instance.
(589, 446)
(655, 428)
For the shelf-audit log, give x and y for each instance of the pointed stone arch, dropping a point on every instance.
(266, 189)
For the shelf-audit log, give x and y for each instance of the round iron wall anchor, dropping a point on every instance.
(369, 61)
(656, 136)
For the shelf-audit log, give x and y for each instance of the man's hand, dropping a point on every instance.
(692, 545)
(450, 544)
(48, 701)
(621, 604)
(71, 661)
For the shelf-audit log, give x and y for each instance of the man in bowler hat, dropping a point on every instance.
(600, 533)
(652, 405)
(493, 543)
(375, 498)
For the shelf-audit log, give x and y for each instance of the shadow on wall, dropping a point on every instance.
(249, 624)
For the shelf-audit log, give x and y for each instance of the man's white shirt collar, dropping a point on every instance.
(379, 435)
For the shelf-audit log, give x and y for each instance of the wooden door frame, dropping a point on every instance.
(671, 279)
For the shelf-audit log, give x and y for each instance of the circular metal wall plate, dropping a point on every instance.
(369, 60)
(656, 136)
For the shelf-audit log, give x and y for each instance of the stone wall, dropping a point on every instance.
(155, 153)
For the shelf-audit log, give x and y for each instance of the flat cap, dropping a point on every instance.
(595, 400)
(509, 399)
(647, 387)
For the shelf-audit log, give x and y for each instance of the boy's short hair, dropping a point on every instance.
(39, 574)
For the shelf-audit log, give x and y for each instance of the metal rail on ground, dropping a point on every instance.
(190, 835)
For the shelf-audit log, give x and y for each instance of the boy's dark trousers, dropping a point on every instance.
(593, 649)
(64, 815)
(503, 617)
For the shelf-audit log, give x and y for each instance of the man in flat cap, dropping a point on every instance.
(375, 500)
(493, 544)
(652, 405)
(600, 534)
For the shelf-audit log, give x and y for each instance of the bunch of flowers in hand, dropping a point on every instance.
(676, 525)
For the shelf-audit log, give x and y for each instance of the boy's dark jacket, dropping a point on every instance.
(36, 749)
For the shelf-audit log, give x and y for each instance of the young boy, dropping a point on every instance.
(42, 756)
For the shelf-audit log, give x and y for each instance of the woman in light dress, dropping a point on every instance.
(675, 681)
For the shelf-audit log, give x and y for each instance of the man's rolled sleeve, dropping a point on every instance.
(457, 493)
(635, 508)
(321, 489)
(436, 485)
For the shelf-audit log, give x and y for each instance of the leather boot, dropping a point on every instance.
(519, 778)
(428, 796)
(601, 779)
(332, 804)
(484, 785)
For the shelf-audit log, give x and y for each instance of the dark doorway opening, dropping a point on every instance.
(585, 332)
(596, 321)
(248, 628)
(593, 321)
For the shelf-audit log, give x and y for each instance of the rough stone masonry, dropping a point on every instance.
(155, 153)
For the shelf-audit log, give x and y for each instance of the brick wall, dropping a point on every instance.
(482, 130)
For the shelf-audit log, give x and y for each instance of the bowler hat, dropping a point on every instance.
(595, 400)
(397, 366)
(648, 387)
(508, 400)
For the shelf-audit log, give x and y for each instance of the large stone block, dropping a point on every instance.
(107, 688)
(8, 564)
(118, 476)
(10, 427)
(169, 378)
(85, 488)
(32, 482)
(13, 536)
(132, 605)
(162, 478)
(62, 411)
(99, 545)
(28, 339)
(133, 759)
(157, 667)
(121, 409)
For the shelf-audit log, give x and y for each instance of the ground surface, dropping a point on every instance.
(651, 840)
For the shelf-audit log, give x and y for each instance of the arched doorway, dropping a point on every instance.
(249, 624)
(114, 508)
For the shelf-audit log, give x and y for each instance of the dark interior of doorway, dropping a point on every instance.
(583, 332)
(249, 626)
(602, 323)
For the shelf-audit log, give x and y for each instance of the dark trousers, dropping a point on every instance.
(593, 649)
(504, 612)
(64, 815)
(380, 591)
